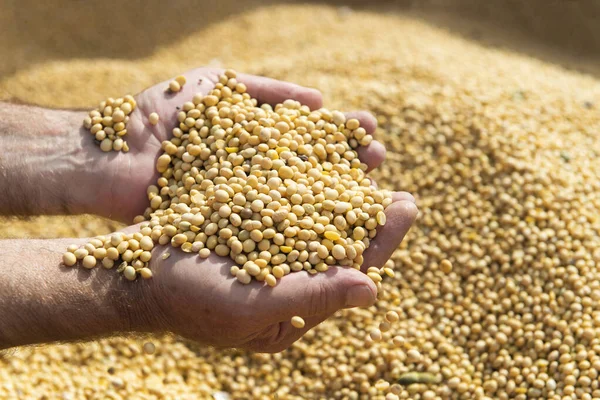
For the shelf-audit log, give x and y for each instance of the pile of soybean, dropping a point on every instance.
(501, 151)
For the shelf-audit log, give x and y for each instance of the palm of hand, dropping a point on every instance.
(134, 171)
(199, 299)
(202, 301)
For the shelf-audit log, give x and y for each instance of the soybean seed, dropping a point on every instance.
(129, 273)
(174, 86)
(297, 322)
(69, 259)
(153, 118)
(149, 348)
(146, 273)
(89, 262)
(446, 266)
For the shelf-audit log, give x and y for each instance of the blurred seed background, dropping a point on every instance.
(379, 55)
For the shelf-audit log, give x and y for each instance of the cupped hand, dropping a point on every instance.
(199, 298)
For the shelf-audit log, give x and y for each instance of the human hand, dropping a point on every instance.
(200, 300)
(193, 297)
(208, 307)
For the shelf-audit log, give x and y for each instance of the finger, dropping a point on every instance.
(265, 90)
(400, 217)
(401, 196)
(272, 91)
(308, 295)
(366, 119)
(372, 155)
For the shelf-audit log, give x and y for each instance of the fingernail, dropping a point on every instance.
(360, 296)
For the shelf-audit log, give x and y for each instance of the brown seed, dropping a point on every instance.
(149, 348)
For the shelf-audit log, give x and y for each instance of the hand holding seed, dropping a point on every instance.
(199, 298)
(270, 191)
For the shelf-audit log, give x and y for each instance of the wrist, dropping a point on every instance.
(44, 162)
(43, 301)
(82, 175)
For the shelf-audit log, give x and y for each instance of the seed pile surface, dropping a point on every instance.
(108, 123)
(502, 153)
(277, 190)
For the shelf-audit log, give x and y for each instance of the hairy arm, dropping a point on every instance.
(43, 301)
(44, 164)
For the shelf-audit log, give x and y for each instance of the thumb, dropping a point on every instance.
(400, 217)
(314, 298)
(321, 294)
